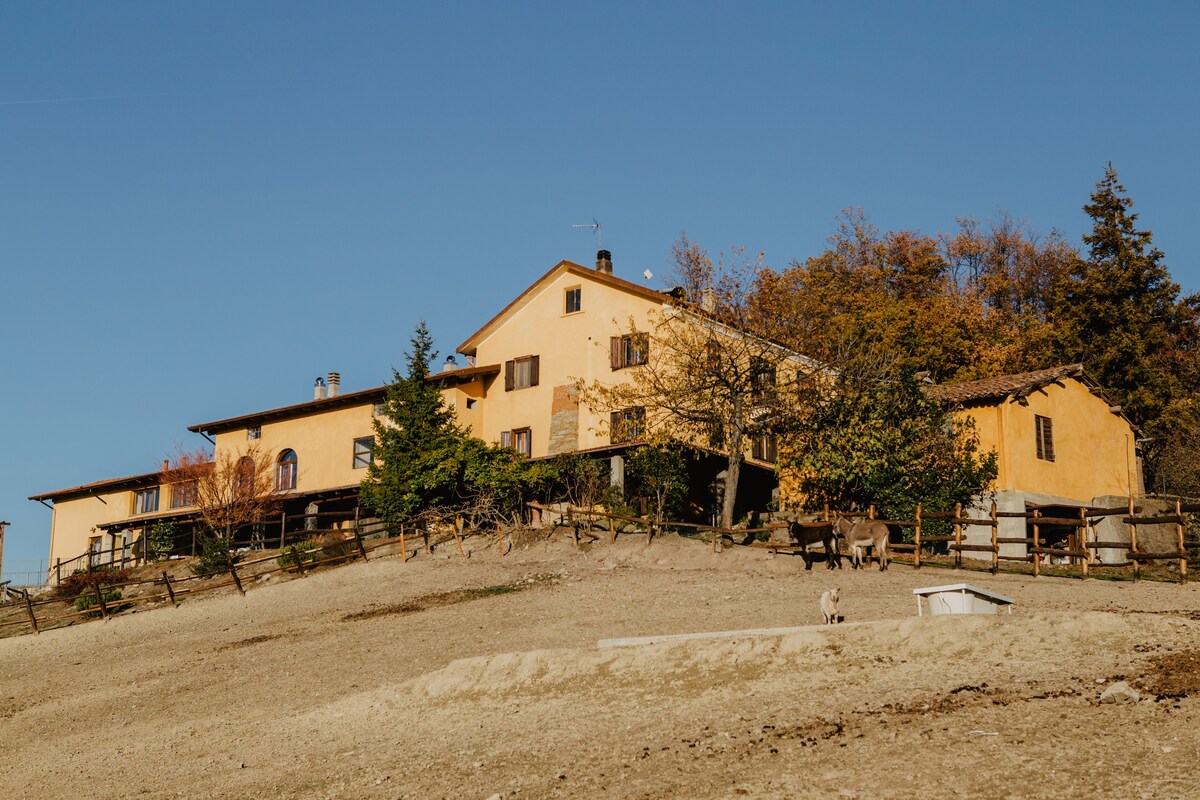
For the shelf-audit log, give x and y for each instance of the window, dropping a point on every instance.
(629, 350)
(379, 409)
(520, 440)
(183, 495)
(145, 501)
(285, 471)
(627, 425)
(1044, 431)
(574, 298)
(471, 401)
(364, 452)
(765, 448)
(243, 476)
(762, 376)
(521, 373)
(254, 432)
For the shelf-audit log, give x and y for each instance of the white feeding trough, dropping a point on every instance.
(961, 598)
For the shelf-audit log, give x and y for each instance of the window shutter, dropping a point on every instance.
(614, 354)
(1048, 428)
(614, 427)
(508, 376)
(506, 438)
(534, 363)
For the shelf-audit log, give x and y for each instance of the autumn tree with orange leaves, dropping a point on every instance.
(229, 492)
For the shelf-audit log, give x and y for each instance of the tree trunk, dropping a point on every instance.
(733, 470)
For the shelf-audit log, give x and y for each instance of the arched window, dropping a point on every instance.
(285, 471)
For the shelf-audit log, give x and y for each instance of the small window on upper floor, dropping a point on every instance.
(254, 432)
(145, 501)
(364, 452)
(184, 494)
(574, 298)
(629, 350)
(380, 408)
(471, 401)
(1044, 432)
(521, 373)
(765, 448)
(627, 425)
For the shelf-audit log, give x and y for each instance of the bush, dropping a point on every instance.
(160, 541)
(88, 599)
(300, 553)
(214, 557)
(85, 580)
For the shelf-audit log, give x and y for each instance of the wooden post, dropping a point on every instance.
(193, 540)
(1179, 536)
(403, 549)
(1037, 543)
(500, 538)
(282, 529)
(1137, 569)
(298, 557)
(170, 589)
(871, 512)
(29, 611)
(917, 540)
(958, 535)
(457, 538)
(995, 540)
(236, 580)
(1082, 534)
(57, 571)
(826, 513)
(362, 551)
(100, 600)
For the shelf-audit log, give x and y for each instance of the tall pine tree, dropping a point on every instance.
(1118, 311)
(416, 463)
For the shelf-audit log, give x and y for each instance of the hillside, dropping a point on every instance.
(469, 678)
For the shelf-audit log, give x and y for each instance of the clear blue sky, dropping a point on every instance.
(203, 206)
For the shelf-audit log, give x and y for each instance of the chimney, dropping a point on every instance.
(604, 262)
(319, 389)
(450, 365)
(335, 383)
(708, 300)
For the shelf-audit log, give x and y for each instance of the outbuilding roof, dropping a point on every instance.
(1006, 386)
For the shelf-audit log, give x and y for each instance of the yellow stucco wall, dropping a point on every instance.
(1094, 448)
(570, 347)
(324, 444)
(75, 518)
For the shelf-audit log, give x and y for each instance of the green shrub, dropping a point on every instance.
(300, 553)
(214, 557)
(87, 600)
(160, 541)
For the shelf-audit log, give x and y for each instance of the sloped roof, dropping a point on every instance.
(298, 410)
(469, 346)
(95, 487)
(1008, 386)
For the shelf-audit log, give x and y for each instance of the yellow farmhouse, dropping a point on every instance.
(1061, 444)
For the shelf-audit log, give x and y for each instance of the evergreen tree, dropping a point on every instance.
(1118, 311)
(417, 443)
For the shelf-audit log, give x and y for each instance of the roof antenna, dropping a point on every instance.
(599, 230)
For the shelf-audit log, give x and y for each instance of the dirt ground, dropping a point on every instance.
(477, 678)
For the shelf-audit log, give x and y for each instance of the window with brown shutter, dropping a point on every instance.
(521, 373)
(1044, 433)
(629, 350)
(522, 441)
(765, 448)
(627, 425)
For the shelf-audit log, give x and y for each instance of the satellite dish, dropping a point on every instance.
(647, 274)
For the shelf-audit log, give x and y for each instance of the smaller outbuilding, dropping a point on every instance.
(961, 598)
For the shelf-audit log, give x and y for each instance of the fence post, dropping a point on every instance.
(29, 611)
(995, 542)
(298, 555)
(236, 580)
(500, 538)
(403, 549)
(57, 571)
(1137, 568)
(917, 540)
(100, 600)
(282, 529)
(193, 540)
(1037, 543)
(362, 551)
(1083, 534)
(457, 538)
(958, 535)
(170, 590)
(1182, 544)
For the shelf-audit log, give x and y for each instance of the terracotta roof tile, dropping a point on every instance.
(1001, 386)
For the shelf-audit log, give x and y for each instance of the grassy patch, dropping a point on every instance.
(453, 597)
